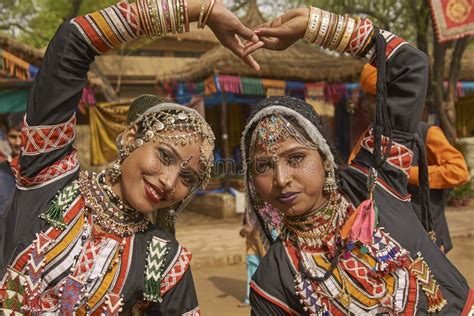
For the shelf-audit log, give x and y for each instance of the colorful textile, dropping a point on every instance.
(230, 84)
(252, 86)
(17, 67)
(107, 121)
(108, 28)
(453, 19)
(38, 140)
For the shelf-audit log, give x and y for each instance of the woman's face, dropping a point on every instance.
(157, 174)
(291, 179)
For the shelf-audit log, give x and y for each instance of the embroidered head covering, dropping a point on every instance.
(270, 121)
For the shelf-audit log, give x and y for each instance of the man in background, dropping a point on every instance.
(447, 168)
(12, 125)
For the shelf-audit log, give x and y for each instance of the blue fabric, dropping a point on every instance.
(253, 261)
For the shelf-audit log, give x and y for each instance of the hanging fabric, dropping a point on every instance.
(252, 86)
(230, 84)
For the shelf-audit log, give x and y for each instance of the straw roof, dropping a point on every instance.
(28, 53)
(467, 66)
(301, 62)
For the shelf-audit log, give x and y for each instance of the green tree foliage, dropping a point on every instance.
(35, 21)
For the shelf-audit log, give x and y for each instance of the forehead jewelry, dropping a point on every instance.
(185, 163)
(191, 127)
(271, 132)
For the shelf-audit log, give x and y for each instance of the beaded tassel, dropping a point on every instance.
(54, 215)
(156, 253)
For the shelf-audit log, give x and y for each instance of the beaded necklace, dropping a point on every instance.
(111, 214)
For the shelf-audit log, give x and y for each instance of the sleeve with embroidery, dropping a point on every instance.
(48, 132)
(446, 165)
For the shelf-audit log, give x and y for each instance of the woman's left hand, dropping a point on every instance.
(282, 32)
(228, 30)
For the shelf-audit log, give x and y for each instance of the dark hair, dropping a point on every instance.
(141, 104)
(14, 121)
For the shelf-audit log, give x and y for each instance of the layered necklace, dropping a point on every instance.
(319, 228)
(107, 209)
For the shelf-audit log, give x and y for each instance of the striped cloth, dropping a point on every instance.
(109, 27)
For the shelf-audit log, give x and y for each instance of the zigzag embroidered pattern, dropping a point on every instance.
(157, 251)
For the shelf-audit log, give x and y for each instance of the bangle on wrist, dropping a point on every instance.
(208, 13)
(331, 30)
(324, 28)
(201, 13)
(338, 33)
(186, 16)
(313, 23)
(347, 35)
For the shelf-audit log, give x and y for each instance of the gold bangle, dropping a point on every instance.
(332, 29)
(208, 13)
(337, 35)
(201, 14)
(172, 17)
(312, 24)
(162, 17)
(347, 35)
(324, 28)
(319, 17)
(155, 18)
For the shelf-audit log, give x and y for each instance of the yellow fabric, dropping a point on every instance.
(368, 79)
(107, 120)
(446, 165)
(321, 107)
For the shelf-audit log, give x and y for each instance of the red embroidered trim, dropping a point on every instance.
(382, 183)
(177, 271)
(399, 157)
(37, 140)
(60, 168)
(361, 34)
(469, 306)
(272, 299)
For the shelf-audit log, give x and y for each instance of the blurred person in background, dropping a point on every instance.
(447, 168)
(7, 180)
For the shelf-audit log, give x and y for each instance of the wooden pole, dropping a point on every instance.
(225, 139)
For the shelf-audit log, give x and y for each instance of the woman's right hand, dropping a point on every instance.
(282, 32)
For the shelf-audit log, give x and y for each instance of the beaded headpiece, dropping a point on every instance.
(269, 124)
(165, 118)
(274, 129)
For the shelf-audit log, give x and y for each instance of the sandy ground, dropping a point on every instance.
(221, 289)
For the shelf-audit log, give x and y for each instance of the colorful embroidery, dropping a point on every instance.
(108, 28)
(157, 251)
(362, 33)
(423, 274)
(54, 216)
(113, 304)
(71, 295)
(54, 172)
(171, 278)
(400, 157)
(12, 294)
(38, 140)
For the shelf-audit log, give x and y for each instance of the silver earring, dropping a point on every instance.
(330, 183)
(115, 172)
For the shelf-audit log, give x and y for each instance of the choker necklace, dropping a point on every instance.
(311, 232)
(107, 210)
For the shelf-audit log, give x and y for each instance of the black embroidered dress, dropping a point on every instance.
(70, 267)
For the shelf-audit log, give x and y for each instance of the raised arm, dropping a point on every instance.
(407, 67)
(48, 132)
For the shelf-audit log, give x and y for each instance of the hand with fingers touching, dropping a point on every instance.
(229, 31)
(282, 32)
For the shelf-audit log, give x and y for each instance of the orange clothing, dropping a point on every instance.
(446, 165)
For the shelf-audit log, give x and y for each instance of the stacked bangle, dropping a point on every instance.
(159, 17)
(204, 14)
(208, 13)
(339, 33)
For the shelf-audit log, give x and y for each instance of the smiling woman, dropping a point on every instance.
(76, 242)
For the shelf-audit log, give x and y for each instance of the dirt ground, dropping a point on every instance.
(220, 290)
